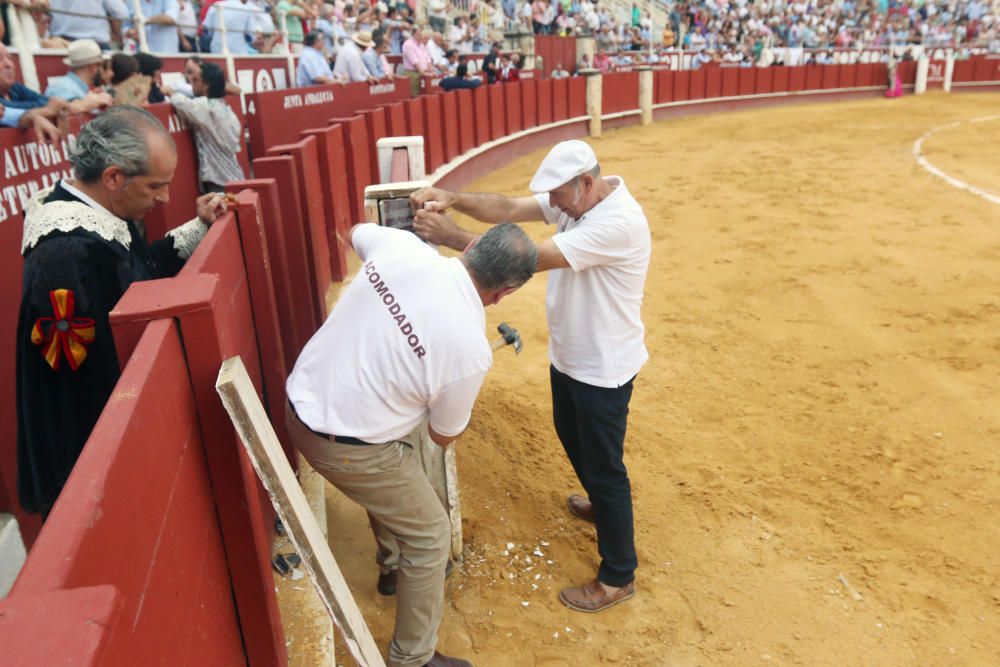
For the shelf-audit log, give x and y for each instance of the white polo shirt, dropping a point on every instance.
(593, 307)
(407, 339)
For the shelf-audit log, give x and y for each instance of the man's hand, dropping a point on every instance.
(210, 206)
(52, 109)
(440, 229)
(43, 128)
(433, 199)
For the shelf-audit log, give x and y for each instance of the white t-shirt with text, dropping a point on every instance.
(406, 340)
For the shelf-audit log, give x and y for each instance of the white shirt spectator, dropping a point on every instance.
(407, 339)
(161, 38)
(593, 307)
(349, 64)
(217, 136)
(242, 19)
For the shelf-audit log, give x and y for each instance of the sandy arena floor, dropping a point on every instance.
(821, 407)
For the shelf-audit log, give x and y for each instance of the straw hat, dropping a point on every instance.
(363, 38)
(84, 52)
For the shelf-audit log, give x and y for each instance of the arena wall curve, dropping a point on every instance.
(158, 548)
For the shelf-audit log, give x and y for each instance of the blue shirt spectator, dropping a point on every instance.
(313, 67)
(21, 97)
(69, 87)
(161, 37)
(94, 27)
(373, 63)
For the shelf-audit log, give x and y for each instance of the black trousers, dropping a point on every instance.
(590, 422)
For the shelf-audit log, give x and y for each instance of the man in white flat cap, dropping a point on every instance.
(597, 261)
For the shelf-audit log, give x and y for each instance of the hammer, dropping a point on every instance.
(508, 336)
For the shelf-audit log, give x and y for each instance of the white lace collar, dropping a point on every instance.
(41, 219)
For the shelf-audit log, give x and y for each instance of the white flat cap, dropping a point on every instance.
(566, 161)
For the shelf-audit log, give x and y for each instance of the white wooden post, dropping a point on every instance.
(24, 38)
(140, 26)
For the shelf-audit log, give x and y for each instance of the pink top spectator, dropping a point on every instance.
(415, 56)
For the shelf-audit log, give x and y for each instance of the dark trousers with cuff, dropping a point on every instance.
(590, 422)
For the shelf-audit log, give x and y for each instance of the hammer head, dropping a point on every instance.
(510, 336)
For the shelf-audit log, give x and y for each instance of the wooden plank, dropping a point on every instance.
(453, 505)
(247, 414)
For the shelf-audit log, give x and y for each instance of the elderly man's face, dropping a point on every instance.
(191, 70)
(133, 197)
(570, 197)
(7, 72)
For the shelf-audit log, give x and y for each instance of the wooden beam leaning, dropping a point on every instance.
(247, 414)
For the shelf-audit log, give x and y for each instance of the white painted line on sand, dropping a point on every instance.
(951, 180)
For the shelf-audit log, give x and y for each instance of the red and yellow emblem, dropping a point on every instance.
(63, 334)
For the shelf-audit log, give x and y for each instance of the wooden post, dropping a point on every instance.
(247, 414)
(594, 100)
(646, 94)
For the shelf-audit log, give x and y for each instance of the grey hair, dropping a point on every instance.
(595, 172)
(503, 257)
(116, 138)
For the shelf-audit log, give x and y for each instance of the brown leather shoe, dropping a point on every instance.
(580, 507)
(387, 582)
(592, 597)
(441, 660)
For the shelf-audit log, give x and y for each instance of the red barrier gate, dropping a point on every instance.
(466, 121)
(433, 133)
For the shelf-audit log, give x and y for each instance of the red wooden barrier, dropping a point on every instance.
(963, 71)
(611, 95)
(796, 79)
(466, 121)
(698, 84)
(80, 621)
(357, 152)
(746, 80)
(629, 90)
(987, 68)
(481, 114)
(529, 103)
(554, 51)
(395, 115)
(764, 81)
(907, 71)
(433, 132)
(665, 90)
(848, 76)
(138, 513)
(449, 110)
(713, 82)
(560, 99)
(814, 77)
(512, 111)
(866, 74)
(831, 76)
(210, 298)
(544, 94)
(336, 193)
(375, 123)
(577, 97)
(284, 172)
(682, 85)
(730, 81)
(276, 117)
(414, 117)
(289, 286)
(313, 223)
(496, 92)
(779, 79)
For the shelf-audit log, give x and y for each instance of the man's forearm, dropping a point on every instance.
(485, 207)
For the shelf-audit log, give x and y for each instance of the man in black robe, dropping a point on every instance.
(82, 249)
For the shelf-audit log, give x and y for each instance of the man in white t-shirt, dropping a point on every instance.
(402, 357)
(597, 260)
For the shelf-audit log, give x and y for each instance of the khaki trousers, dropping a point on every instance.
(390, 483)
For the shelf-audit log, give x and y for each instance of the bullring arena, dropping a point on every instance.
(820, 401)
(810, 443)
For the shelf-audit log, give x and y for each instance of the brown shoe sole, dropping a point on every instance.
(594, 611)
